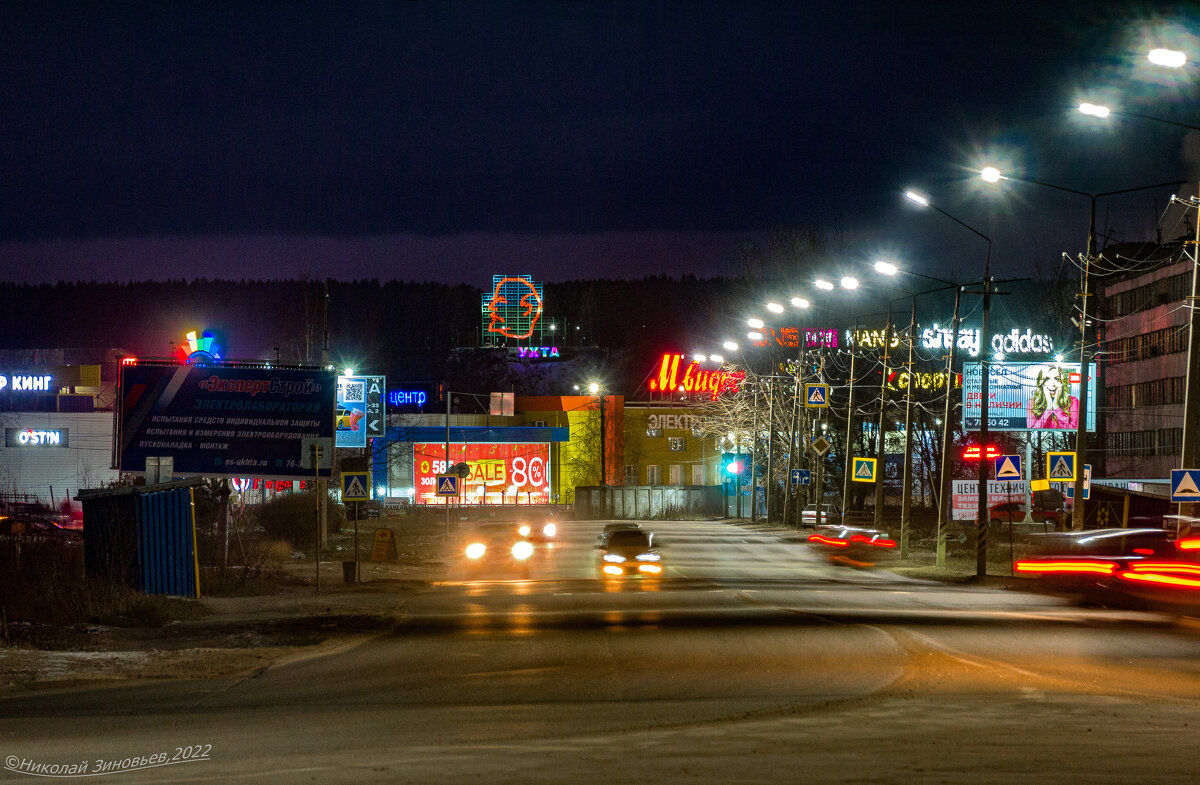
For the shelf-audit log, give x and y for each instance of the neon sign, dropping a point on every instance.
(921, 380)
(407, 397)
(201, 348)
(872, 339)
(513, 307)
(693, 379)
(26, 383)
(789, 337)
(1012, 342)
(33, 437)
(536, 352)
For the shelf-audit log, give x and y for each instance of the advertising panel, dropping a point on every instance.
(1027, 396)
(505, 473)
(350, 421)
(964, 497)
(223, 420)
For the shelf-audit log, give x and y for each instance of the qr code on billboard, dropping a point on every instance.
(354, 392)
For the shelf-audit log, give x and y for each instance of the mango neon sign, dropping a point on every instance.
(693, 379)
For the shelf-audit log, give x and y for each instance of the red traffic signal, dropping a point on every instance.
(974, 452)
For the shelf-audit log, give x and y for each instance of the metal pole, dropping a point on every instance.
(603, 466)
(1191, 396)
(1077, 510)
(446, 468)
(880, 456)
(945, 499)
(754, 460)
(849, 433)
(819, 461)
(983, 519)
(770, 478)
(906, 493)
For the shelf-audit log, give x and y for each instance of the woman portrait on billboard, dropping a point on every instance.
(1051, 406)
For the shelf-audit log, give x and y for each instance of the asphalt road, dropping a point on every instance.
(752, 660)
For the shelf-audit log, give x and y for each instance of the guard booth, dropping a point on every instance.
(143, 536)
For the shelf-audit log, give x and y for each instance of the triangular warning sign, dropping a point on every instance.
(355, 488)
(816, 395)
(1186, 487)
(863, 470)
(1061, 470)
(1007, 469)
(448, 485)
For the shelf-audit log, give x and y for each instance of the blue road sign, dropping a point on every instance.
(816, 396)
(355, 485)
(1087, 484)
(801, 477)
(1008, 467)
(1060, 466)
(1185, 485)
(863, 470)
(447, 485)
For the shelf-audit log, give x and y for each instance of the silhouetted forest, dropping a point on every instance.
(404, 330)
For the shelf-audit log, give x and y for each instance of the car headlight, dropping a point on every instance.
(549, 530)
(653, 569)
(524, 530)
(476, 550)
(613, 557)
(647, 557)
(522, 550)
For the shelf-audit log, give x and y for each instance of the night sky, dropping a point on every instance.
(452, 140)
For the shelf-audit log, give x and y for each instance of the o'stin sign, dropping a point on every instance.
(33, 437)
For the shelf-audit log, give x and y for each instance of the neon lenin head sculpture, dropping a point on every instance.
(514, 307)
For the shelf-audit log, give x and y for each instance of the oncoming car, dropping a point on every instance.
(630, 553)
(543, 531)
(494, 548)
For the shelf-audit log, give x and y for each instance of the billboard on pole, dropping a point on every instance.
(1027, 396)
(223, 420)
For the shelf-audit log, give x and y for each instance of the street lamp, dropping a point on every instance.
(944, 507)
(890, 269)
(993, 175)
(595, 389)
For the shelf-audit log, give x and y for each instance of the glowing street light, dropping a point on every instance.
(774, 307)
(800, 302)
(730, 346)
(1168, 58)
(920, 199)
(823, 285)
(887, 268)
(756, 324)
(849, 282)
(1095, 110)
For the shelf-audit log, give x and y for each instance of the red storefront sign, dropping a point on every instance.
(674, 376)
(507, 473)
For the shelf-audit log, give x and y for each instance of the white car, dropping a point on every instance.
(829, 514)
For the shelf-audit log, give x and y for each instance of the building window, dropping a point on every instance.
(653, 432)
(697, 475)
(676, 443)
(653, 476)
(676, 474)
(631, 474)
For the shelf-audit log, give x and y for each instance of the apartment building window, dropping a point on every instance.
(1170, 340)
(676, 443)
(697, 475)
(676, 474)
(653, 432)
(1132, 443)
(1170, 441)
(631, 474)
(653, 475)
(1162, 292)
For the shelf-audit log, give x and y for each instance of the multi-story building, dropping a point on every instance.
(1144, 315)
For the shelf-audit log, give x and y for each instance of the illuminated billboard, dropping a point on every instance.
(505, 473)
(1027, 396)
(676, 374)
(512, 309)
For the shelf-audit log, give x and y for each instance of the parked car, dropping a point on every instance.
(1014, 512)
(37, 527)
(830, 513)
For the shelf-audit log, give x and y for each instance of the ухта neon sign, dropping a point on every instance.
(693, 379)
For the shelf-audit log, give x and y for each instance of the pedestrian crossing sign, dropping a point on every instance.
(447, 485)
(1060, 466)
(816, 396)
(863, 470)
(354, 486)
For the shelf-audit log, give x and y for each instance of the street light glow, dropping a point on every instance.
(799, 302)
(699, 358)
(757, 324)
(916, 197)
(754, 336)
(991, 174)
(774, 307)
(593, 388)
(821, 283)
(729, 346)
(1168, 58)
(849, 282)
(718, 359)
(887, 268)
(1095, 110)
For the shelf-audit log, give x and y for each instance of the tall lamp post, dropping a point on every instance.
(1188, 453)
(595, 389)
(993, 175)
(947, 430)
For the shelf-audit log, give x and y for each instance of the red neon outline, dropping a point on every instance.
(496, 298)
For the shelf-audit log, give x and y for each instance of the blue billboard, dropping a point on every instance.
(223, 420)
